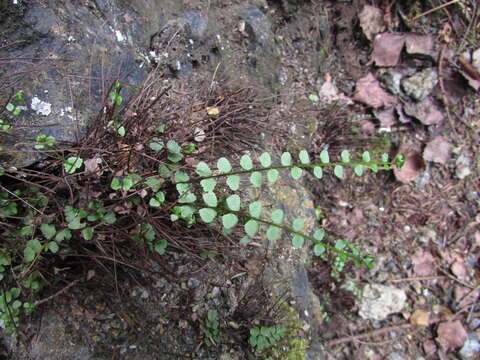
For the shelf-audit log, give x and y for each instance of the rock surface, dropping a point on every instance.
(379, 301)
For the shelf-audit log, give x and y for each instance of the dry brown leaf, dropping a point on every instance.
(369, 92)
(386, 117)
(416, 44)
(387, 48)
(427, 111)
(371, 21)
(438, 150)
(414, 165)
(92, 165)
(423, 263)
(329, 93)
(451, 335)
(213, 110)
(420, 318)
(459, 269)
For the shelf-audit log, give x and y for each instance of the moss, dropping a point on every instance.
(294, 345)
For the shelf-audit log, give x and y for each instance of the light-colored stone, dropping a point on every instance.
(379, 301)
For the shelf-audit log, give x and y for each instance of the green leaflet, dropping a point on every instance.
(265, 159)
(233, 202)
(304, 157)
(224, 165)
(297, 241)
(229, 221)
(286, 159)
(255, 209)
(246, 162)
(277, 216)
(210, 199)
(273, 233)
(296, 172)
(252, 227)
(324, 157)
(233, 182)
(203, 169)
(338, 171)
(208, 185)
(256, 178)
(207, 214)
(272, 175)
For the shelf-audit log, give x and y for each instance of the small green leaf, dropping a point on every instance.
(366, 156)
(245, 240)
(313, 97)
(224, 165)
(324, 157)
(53, 247)
(272, 175)
(28, 254)
(374, 168)
(154, 183)
(304, 157)
(318, 172)
(297, 241)
(385, 157)
(296, 172)
(297, 224)
(345, 155)
(265, 159)
(229, 220)
(72, 164)
(319, 249)
(154, 202)
(358, 169)
(115, 184)
(233, 202)
(277, 216)
(87, 233)
(273, 233)
(161, 128)
(180, 176)
(340, 244)
(161, 246)
(319, 234)
(173, 146)
(207, 214)
(338, 171)
(233, 182)
(156, 144)
(75, 224)
(174, 157)
(110, 218)
(246, 162)
(187, 198)
(64, 234)
(127, 184)
(164, 171)
(208, 184)
(252, 227)
(286, 159)
(48, 230)
(255, 209)
(10, 107)
(210, 199)
(121, 131)
(203, 169)
(256, 178)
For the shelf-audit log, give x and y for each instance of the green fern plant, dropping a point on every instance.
(223, 205)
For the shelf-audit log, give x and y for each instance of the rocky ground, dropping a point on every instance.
(378, 76)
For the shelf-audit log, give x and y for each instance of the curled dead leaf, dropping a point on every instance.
(387, 48)
(369, 92)
(451, 335)
(438, 150)
(420, 318)
(413, 166)
(371, 21)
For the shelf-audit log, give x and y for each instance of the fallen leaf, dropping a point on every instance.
(465, 296)
(213, 110)
(387, 48)
(459, 269)
(329, 93)
(451, 335)
(420, 318)
(438, 150)
(371, 21)
(413, 166)
(386, 117)
(92, 165)
(429, 347)
(416, 44)
(423, 263)
(369, 92)
(427, 111)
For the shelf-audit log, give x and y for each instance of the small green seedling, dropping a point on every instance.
(265, 336)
